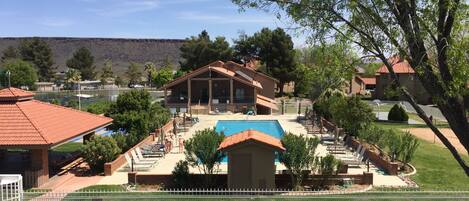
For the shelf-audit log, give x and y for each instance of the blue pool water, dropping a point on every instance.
(230, 127)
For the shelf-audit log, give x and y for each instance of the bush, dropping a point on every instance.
(202, 151)
(100, 150)
(409, 146)
(374, 135)
(395, 143)
(352, 114)
(327, 165)
(100, 107)
(298, 155)
(181, 174)
(397, 113)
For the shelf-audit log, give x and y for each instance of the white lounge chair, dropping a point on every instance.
(154, 155)
(138, 161)
(136, 166)
(141, 158)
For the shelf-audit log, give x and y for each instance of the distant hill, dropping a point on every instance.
(121, 51)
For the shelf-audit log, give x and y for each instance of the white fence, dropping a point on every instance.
(11, 187)
(214, 194)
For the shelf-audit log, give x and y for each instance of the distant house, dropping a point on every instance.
(360, 85)
(406, 77)
(45, 86)
(221, 87)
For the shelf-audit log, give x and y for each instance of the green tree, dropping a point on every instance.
(72, 77)
(181, 174)
(9, 53)
(136, 115)
(200, 50)
(119, 81)
(430, 35)
(163, 76)
(298, 155)
(398, 113)
(38, 52)
(202, 151)
(107, 74)
(395, 143)
(100, 107)
(83, 61)
(151, 70)
(352, 114)
(100, 150)
(275, 50)
(134, 73)
(22, 73)
(332, 67)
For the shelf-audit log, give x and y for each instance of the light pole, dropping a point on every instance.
(79, 96)
(8, 73)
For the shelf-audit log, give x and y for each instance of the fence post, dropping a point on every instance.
(283, 107)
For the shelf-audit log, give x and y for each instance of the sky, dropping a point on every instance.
(168, 19)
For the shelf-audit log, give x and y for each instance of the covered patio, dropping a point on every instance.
(216, 89)
(30, 128)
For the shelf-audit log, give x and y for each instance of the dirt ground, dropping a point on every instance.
(428, 135)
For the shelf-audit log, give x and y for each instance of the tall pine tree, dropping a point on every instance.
(200, 50)
(83, 61)
(38, 52)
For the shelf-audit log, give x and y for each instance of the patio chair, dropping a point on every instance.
(136, 166)
(148, 155)
(141, 158)
(139, 161)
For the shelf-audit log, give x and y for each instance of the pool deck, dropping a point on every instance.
(288, 123)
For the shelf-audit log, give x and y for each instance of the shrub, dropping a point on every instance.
(100, 150)
(100, 107)
(395, 143)
(327, 165)
(298, 155)
(409, 146)
(352, 114)
(181, 174)
(202, 151)
(374, 135)
(398, 113)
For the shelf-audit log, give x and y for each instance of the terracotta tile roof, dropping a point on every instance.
(368, 80)
(251, 135)
(31, 122)
(399, 66)
(9, 94)
(217, 68)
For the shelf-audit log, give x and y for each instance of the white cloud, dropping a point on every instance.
(124, 7)
(224, 19)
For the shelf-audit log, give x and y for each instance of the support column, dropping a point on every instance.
(231, 96)
(40, 161)
(209, 95)
(189, 95)
(255, 100)
(165, 97)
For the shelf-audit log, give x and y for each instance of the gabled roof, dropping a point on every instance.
(14, 94)
(399, 66)
(32, 122)
(217, 67)
(367, 80)
(251, 135)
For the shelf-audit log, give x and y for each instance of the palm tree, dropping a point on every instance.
(150, 68)
(72, 76)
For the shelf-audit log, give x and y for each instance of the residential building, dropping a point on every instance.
(406, 77)
(221, 87)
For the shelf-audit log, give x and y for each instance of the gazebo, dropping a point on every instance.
(251, 159)
(36, 126)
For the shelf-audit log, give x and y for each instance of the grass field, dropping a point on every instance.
(68, 147)
(436, 167)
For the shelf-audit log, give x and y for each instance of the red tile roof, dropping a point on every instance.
(9, 94)
(31, 122)
(399, 67)
(368, 80)
(251, 135)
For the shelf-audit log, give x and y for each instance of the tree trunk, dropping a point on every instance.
(280, 88)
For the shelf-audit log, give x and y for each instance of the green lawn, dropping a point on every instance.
(436, 167)
(68, 147)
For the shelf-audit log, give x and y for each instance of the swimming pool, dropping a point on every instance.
(230, 127)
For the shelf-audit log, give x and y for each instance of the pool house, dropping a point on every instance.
(222, 87)
(30, 128)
